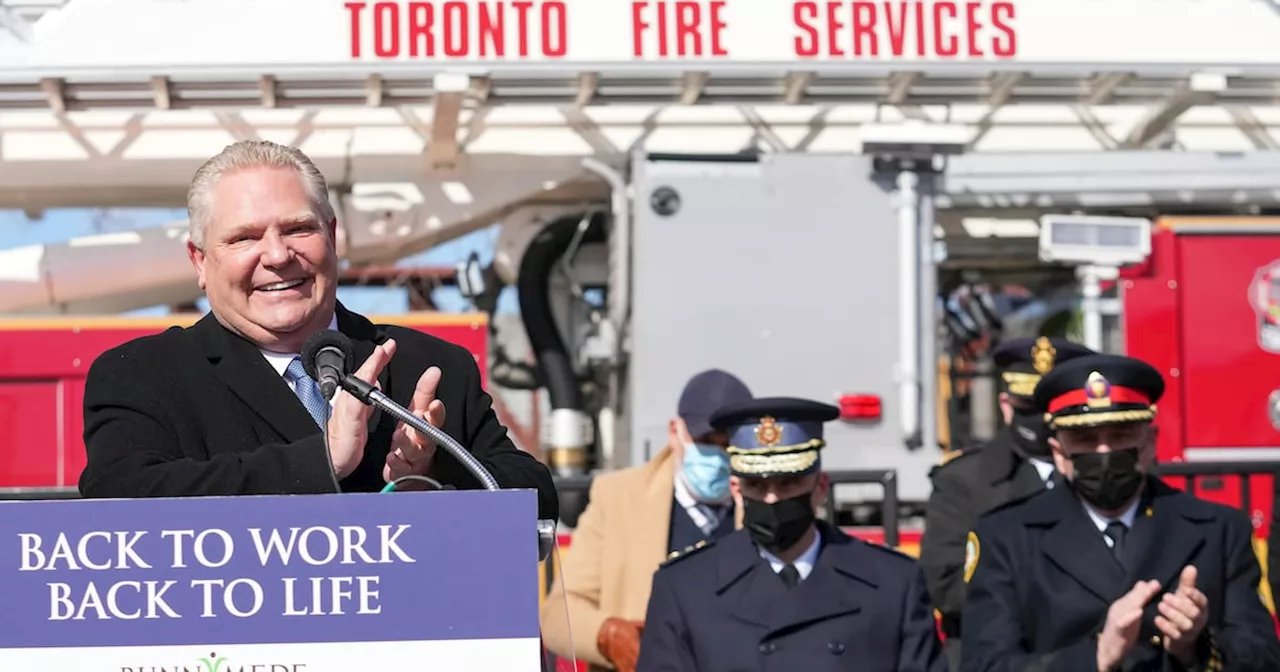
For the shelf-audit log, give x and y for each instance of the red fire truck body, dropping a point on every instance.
(43, 363)
(1205, 310)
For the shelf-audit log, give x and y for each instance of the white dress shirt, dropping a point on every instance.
(280, 361)
(1045, 469)
(803, 564)
(706, 516)
(1101, 522)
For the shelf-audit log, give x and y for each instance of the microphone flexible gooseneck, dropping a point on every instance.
(372, 395)
(369, 394)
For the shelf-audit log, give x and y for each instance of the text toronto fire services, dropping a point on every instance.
(212, 549)
(670, 29)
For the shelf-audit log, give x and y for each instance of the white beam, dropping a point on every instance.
(900, 84)
(160, 93)
(691, 86)
(1201, 89)
(796, 85)
(267, 91)
(373, 91)
(1000, 93)
(1253, 128)
(443, 149)
(53, 93)
(15, 25)
(587, 83)
(1104, 86)
(480, 89)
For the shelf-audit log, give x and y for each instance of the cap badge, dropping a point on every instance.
(767, 432)
(1097, 391)
(1043, 355)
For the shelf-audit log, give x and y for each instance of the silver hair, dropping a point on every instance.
(252, 154)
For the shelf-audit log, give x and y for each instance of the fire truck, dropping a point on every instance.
(43, 364)
(1202, 308)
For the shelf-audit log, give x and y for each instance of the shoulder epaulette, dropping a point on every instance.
(676, 556)
(889, 550)
(948, 458)
(1012, 504)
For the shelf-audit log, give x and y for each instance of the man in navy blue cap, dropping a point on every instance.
(786, 591)
(1113, 569)
(1014, 465)
(635, 518)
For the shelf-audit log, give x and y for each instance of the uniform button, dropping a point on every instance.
(767, 648)
(836, 647)
(1156, 641)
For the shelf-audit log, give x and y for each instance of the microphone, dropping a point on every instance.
(326, 357)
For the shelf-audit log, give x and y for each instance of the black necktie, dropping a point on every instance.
(790, 576)
(1117, 531)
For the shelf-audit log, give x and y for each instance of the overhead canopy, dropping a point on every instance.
(938, 60)
(115, 101)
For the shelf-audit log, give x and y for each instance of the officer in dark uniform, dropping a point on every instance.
(1014, 465)
(786, 592)
(1112, 569)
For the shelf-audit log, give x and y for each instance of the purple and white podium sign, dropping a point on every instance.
(427, 580)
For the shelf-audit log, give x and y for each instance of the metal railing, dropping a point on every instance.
(1191, 474)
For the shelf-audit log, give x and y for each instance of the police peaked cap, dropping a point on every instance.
(1099, 390)
(1023, 361)
(774, 436)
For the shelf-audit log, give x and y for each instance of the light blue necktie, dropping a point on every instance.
(308, 391)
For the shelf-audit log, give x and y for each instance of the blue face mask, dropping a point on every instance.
(706, 471)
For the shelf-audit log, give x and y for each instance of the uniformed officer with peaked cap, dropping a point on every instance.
(1015, 464)
(1113, 569)
(786, 592)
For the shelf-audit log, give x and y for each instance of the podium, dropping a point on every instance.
(415, 580)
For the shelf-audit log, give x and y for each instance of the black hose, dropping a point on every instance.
(533, 285)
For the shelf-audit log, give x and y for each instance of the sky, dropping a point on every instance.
(17, 230)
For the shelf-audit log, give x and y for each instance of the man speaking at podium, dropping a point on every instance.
(224, 407)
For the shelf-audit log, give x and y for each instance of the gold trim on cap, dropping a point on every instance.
(811, 444)
(792, 463)
(1104, 418)
(1021, 383)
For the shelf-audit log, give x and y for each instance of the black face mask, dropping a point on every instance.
(778, 526)
(1108, 481)
(1030, 434)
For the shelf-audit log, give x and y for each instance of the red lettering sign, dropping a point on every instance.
(892, 28)
(455, 30)
(679, 28)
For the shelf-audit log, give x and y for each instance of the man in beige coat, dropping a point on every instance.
(635, 517)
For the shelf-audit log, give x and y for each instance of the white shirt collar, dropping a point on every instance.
(280, 361)
(804, 563)
(705, 515)
(1045, 469)
(1101, 522)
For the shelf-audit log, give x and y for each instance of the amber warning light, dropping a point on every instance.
(860, 407)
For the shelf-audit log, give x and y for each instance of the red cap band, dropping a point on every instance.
(1118, 395)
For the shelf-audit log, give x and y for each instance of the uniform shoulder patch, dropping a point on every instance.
(949, 459)
(972, 549)
(676, 556)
